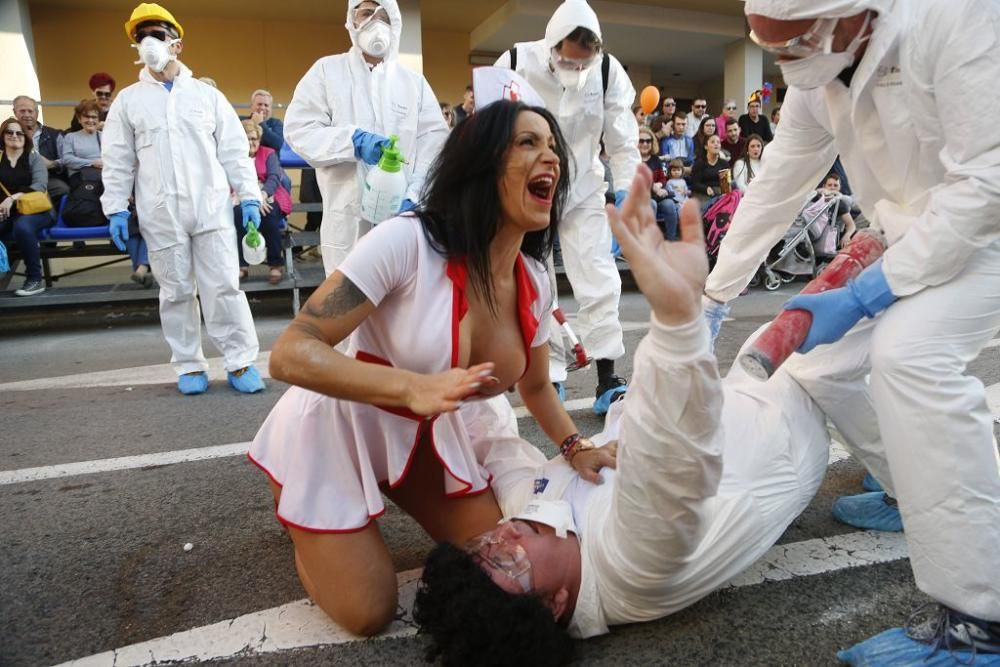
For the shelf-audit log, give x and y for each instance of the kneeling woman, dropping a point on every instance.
(447, 305)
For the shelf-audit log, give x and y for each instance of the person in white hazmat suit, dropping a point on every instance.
(343, 111)
(177, 143)
(892, 87)
(704, 485)
(567, 68)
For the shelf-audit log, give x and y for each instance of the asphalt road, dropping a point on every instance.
(95, 562)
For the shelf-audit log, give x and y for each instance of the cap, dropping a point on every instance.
(150, 11)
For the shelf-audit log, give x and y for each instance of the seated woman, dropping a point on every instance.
(705, 172)
(437, 307)
(748, 166)
(664, 205)
(705, 130)
(22, 171)
(82, 157)
(272, 216)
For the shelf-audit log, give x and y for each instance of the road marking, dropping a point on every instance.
(302, 624)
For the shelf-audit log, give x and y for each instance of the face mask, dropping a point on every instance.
(555, 513)
(155, 54)
(374, 38)
(571, 79)
(820, 69)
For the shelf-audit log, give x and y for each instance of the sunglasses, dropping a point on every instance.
(103, 95)
(699, 106)
(13, 133)
(645, 141)
(91, 117)
(730, 108)
(155, 34)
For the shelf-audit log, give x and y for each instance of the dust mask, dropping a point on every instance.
(155, 54)
(374, 38)
(821, 68)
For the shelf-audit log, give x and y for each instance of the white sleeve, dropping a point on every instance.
(385, 258)
(544, 311)
(959, 58)
(431, 135)
(621, 130)
(504, 59)
(119, 158)
(669, 464)
(233, 148)
(800, 155)
(311, 126)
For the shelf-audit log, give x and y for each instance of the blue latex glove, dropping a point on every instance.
(119, 229)
(715, 312)
(251, 211)
(368, 146)
(620, 199)
(835, 312)
(407, 205)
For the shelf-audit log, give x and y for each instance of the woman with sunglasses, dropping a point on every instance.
(22, 171)
(729, 110)
(102, 85)
(666, 208)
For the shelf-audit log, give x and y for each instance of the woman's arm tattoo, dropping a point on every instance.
(345, 298)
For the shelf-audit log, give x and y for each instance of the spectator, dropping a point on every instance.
(667, 109)
(272, 129)
(666, 211)
(47, 142)
(678, 145)
(272, 216)
(733, 146)
(747, 167)
(640, 116)
(102, 85)
(699, 110)
(677, 185)
(22, 170)
(705, 130)
(832, 187)
(449, 115)
(775, 117)
(753, 123)
(729, 110)
(467, 107)
(705, 172)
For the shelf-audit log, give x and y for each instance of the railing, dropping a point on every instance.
(71, 105)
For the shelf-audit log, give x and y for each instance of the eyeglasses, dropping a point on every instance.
(700, 106)
(818, 39)
(508, 559)
(645, 141)
(91, 116)
(13, 133)
(103, 95)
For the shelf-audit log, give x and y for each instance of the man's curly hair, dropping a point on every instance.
(472, 621)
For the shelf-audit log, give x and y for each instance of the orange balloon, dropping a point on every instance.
(649, 100)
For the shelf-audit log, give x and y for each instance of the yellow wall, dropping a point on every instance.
(446, 63)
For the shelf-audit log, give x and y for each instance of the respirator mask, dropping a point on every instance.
(373, 34)
(816, 64)
(154, 53)
(571, 73)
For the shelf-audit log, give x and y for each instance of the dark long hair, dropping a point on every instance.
(746, 155)
(28, 143)
(461, 210)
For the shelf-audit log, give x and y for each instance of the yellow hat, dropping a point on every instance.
(150, 11)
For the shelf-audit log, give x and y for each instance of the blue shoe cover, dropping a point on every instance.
(191, 384)
(604, 401)
(248, 383)
(869, 483)
(561, 390)
(868, 510)
(893, 648)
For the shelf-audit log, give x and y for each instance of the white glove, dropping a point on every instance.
(715, 312)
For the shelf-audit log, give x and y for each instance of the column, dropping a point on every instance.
(411, 43)
(744, 71)
(20, 76)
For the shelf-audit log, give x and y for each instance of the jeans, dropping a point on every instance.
(270, 229)
(667, 218)
(136, 247)
(23, 231)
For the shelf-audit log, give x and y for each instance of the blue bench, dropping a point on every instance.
(61, 232)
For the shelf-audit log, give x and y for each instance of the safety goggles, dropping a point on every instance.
(509, 559)
(363, 15)
(818, 39)
(572, 64)
(155, 33)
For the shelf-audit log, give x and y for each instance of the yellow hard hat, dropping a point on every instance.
(150, 11)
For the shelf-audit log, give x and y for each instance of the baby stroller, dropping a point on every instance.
(809, 244)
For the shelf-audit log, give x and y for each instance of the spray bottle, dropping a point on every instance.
(385, 186)
(254, 248)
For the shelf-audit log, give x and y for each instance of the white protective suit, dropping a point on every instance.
(340, 94)
(584, 234)
(180, 152)
(924, 164)
(704, 486)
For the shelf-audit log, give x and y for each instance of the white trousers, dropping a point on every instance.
(585, 239)
(338, 236)
(938, 454)
(205, 264)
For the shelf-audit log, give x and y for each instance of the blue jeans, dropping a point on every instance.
(270, 229)
(136, 247)
(667, 219)
(23, 231)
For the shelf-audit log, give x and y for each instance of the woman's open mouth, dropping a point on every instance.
(542, 188)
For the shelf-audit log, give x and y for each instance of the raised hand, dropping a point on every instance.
(671, 274)
(430, 395)
(588, 463)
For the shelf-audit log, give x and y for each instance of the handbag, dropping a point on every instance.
(31, 202)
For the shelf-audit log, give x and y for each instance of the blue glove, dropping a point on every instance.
(715, 312)
(251, 211)
(119, 229)
(620, 199)
(835, 312)
(368, 146)
(407, 205)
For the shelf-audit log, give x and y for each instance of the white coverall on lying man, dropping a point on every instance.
(177, 143)
(892, 87)
(344, 109)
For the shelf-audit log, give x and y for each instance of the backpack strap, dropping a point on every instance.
(605, 72)
(513, 58)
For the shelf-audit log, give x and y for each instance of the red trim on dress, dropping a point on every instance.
(526, 297)
(458, 271)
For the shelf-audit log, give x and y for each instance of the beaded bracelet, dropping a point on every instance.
(568, 446)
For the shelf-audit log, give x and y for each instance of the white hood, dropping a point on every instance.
(395, 22)
(569, 16)
(794, 10)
